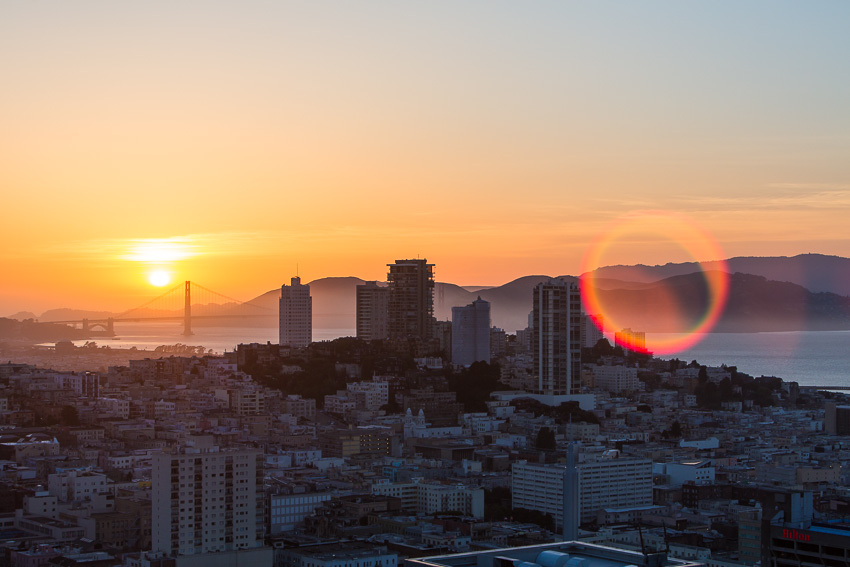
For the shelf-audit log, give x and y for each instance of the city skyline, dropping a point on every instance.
(235, 145)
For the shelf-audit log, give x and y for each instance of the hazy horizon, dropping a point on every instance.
(632, 273)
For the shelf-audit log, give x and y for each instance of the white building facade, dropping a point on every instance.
(296, 314)
(207, 502)
(606, 483)
(616, 379)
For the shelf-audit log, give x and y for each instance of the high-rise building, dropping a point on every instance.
(604, 483)
(556, 337)
(411, 299)
(296, 314)
(593, 331)
(471, 333)
(836, 419)
(206, 502)
(372, 301)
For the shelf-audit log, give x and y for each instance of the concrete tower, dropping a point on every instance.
(411, 301)
(296, 314)
(556, 337)
(471, 333)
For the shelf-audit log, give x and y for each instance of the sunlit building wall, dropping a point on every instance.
(296, 314)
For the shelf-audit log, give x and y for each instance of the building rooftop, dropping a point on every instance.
(562, 554)
(339, 551)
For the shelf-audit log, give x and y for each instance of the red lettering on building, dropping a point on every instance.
(795, 535)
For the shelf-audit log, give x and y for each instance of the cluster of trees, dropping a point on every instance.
(475, 384)
(761, 391)
(565, 413)
(317, 378)
(603, 348)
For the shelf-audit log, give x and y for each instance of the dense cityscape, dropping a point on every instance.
(418, 440)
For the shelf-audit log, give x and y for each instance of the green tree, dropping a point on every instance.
(545, 440)
(674, 432)
(69, 416)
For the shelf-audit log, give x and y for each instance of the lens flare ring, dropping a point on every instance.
(694, 240)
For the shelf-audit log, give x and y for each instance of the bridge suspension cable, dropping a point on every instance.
(149, 303)
(195, 301)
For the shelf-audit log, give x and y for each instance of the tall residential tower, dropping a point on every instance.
(372, 311)
(556, 337)
(471, 333)
(296, 314)
(411, 300)
(205, 502)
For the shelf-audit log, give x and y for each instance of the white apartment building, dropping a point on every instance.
(244, 400)
(606, 483)
(288, 510)
(86, 384)
(207, 501)
(432, 497)
(41, 504)
(295, 405)
(296, 314)
(115, 406)
(76, 486)
(374, 394)
(339, 403)
(616, 379)
(697, 472)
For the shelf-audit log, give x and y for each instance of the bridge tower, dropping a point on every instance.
(110, 327)
(187, 311)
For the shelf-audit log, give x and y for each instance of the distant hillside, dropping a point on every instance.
(754, 304)
(815, 272)
(72, 315)
(30, 330)
(23, 315)
(803, 292)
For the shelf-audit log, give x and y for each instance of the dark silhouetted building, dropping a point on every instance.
(410, 306)
(556, 337)
(372, 311)
(471, 333)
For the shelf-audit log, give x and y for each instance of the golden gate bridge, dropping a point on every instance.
(176, 304)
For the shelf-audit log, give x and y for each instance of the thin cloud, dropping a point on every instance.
(782, 196)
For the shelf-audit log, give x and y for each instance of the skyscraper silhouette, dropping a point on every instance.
(411, 300)
(471, 333)
(296, 314)
(556, 337)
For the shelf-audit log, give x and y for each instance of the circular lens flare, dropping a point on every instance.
(159, 278)
(687, 314)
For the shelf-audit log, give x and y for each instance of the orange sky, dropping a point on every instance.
(494, 140)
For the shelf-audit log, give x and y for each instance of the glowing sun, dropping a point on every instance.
(159, 278)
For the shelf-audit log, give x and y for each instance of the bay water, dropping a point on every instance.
(811, 358)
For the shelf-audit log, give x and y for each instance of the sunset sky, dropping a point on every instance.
(228, 142)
